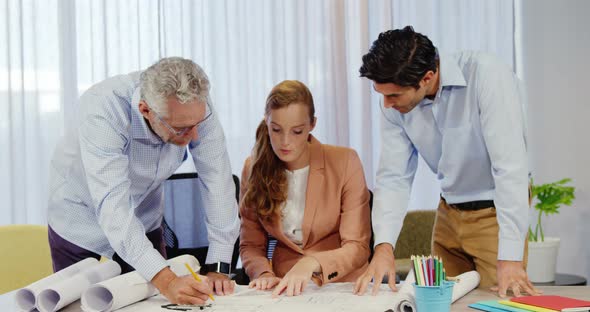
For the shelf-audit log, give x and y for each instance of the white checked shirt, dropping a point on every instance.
(106, 179)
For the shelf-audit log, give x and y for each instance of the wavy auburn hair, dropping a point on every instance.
(267, 182)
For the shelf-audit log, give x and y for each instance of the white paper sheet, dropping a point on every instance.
(129, 288)
(26, 298)
(69, 290)
(329, 298)
(466, 283)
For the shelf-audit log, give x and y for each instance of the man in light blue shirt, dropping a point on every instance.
(106, 180)
(463, 114)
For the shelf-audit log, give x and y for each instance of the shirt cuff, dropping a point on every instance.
(150, 264)
(385, 240)
(327, 265)
(219, 253)
(510, 249)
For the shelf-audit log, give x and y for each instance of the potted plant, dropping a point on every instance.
(543, 250)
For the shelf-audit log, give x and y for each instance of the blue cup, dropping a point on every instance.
(434, 298)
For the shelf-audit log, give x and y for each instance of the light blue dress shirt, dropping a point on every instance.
(473, 136)
(107, 174)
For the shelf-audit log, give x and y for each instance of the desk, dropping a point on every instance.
(580, 292)
(565, 280)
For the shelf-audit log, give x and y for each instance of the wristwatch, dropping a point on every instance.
(218, 267)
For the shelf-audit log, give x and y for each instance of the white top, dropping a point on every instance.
(294, 206)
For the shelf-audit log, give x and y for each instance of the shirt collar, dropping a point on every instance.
(139, 127)
(450, 75)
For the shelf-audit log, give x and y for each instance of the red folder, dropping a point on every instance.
(558, 303)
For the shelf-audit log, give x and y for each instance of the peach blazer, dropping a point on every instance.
(336, 222)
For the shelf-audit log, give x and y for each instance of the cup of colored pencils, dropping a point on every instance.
(433, 291)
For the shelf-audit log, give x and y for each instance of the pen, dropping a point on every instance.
(197, 278)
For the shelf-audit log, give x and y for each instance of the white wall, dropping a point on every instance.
(553, 60)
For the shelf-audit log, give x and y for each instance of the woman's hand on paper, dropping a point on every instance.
(221, 283)
(182, 289)
(296, 279)
(381, 264)
(265, 281)
(512, 276)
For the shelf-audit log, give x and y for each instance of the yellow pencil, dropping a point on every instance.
(196, 277)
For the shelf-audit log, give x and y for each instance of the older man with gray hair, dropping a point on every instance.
(106, 194)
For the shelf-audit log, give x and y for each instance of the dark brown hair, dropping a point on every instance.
(400, 56)
(267, 182)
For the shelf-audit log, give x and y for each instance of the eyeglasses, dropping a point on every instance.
(182, 131)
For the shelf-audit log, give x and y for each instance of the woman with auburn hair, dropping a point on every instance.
(311, 197)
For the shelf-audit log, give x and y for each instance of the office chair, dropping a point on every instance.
(25, 256)
(184, 220)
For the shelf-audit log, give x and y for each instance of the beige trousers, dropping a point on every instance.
(468, 240)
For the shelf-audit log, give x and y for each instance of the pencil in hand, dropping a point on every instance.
(196, 276)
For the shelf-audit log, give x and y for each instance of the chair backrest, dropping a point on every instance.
(184, 226)
(25, 256)
(271, 244)
(415, 237)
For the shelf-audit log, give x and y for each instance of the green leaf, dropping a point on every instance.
(550, 197)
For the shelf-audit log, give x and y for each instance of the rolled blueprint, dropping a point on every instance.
(69, 290)
(26, 298)
(465, 283)
(129, 288)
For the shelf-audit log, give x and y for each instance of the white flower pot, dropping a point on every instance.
(542, 260)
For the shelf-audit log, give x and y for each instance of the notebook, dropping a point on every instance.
(526, 307)
(483, 307)
(494, 306)
(557, 303)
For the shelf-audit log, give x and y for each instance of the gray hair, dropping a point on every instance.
(173, 76)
